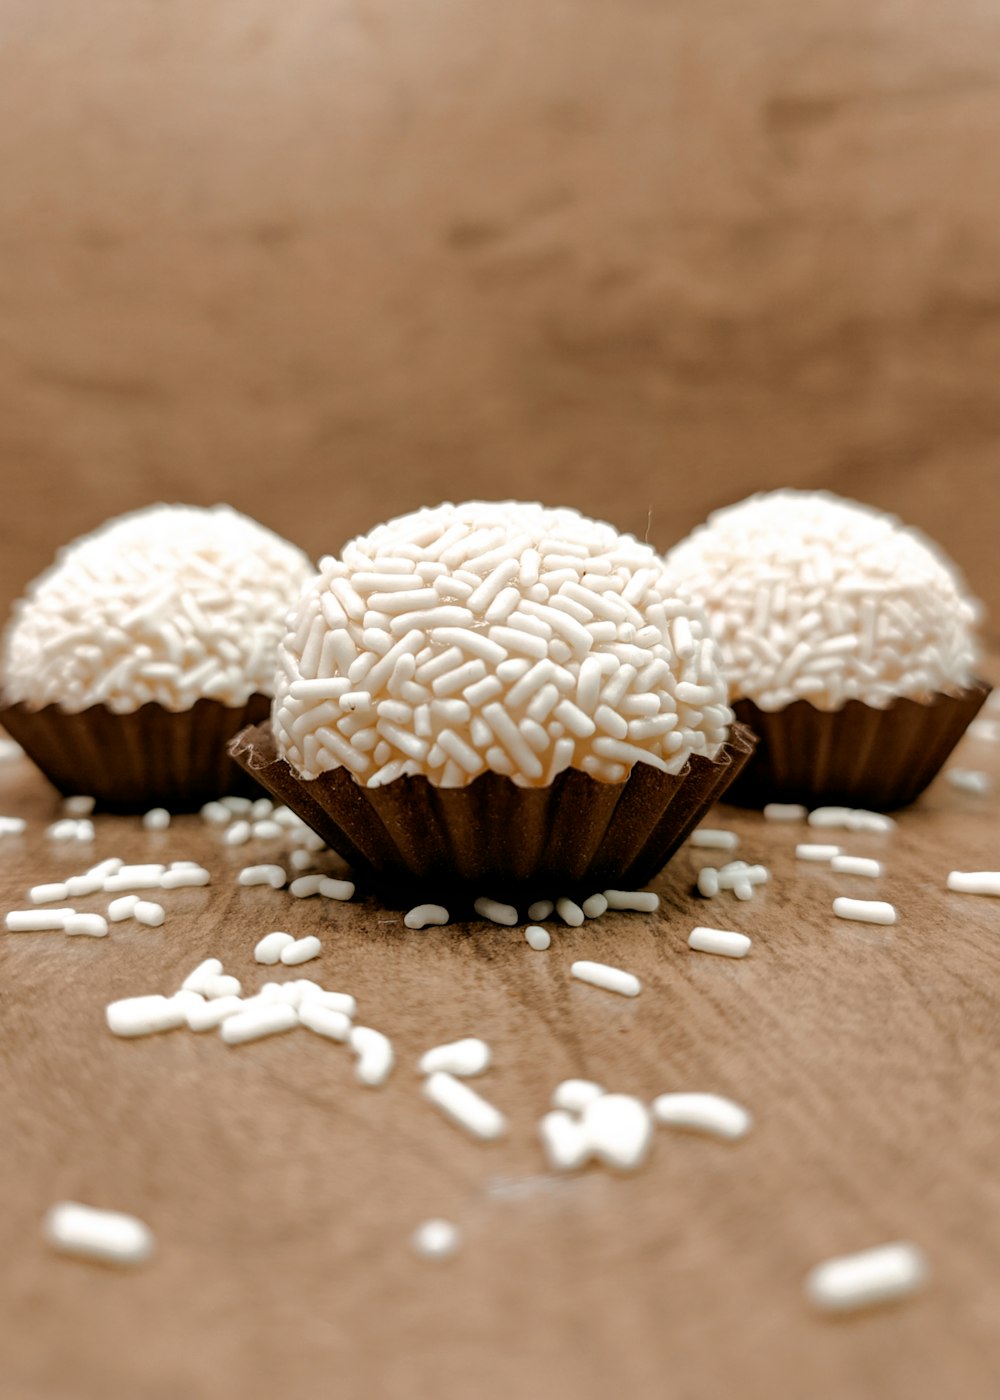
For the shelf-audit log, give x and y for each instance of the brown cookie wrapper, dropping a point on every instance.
(149, 757)
(857, 755)
(575, 836)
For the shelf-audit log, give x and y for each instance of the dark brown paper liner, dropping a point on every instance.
(149, 757)
(878, 758)
(575, 835)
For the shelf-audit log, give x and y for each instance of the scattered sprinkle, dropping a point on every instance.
(88, 1233)
(724, 942)
(878, 1275)
(37, 920)
(821, 854)
(301, 950)
(496, 913)
(78, 806)
(375, 1055)
(238, 834)
(423, 915)
(573, 1095)
(570, 913)
(864, 911)
(272, 875)
(149, 1015)
(974, 881)
(122, 908)
(156, 819)
(635, 901)
(537, 938)
(305, 886)
(12, 826)
(271, 946)
(462, 1057)
(47, 894)
(857, 865)
(271, 1019)
(436, 1239)
(594, 906)
(92, 925)
(703, 1113)
(148, 913)
(541, 909)
(618, 1129)
(267, 830)
(563, 1140)
(713, 839)
(785, 812)
(609, 979)
(464, 1106)
(329, 888)
(970, 780)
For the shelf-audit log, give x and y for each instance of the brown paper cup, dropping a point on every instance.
(149, 757)
(575, 836)
(856, 755)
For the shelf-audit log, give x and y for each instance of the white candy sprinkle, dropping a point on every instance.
(203, 974)
(114, 884)
(829, 816)
(189, 877)
(156, 819)
(238, 834)
(375, 1055)
(78, 885)
(12, 826)
(712, 839)
(708, 882)
(573, 1095)
(609, 979)
(974, 881)
(122, 908)
(703, 1113)
(305, 886)
(569, 912)
(822, 854)
(594, 906)
(324, 1020)
(464, 1106)
(80, 806)
(10, 751)
(301, 950)
(235, 805)
(84, 832)
(205, 1015)
(314, 995)
(37, 920)
(258, 1022)
(785, 812)
(93, 925)
(261, 808)
(865, 911)
(300, 859)
(64, 830)
(497, 913)
(329, 888)
(722, 941)
(461, 1057)
(271, 946)
(851, 819)
(145, 912)
(878, 1275)
(252, 875)
(537, 938)
(564, 1141)
(47, 894)
(541, 909)
(216, 814)
(108, 1235)
(425, 914)
(214, 988)
(436, 1239)
(857, 865)
(970, 780)
(637, 901)
(618, 1129)
(135, 1016)
(267, 830)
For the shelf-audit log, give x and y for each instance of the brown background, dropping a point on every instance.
(334, 260)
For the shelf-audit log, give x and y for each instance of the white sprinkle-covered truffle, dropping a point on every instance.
(169, 604)
(817, 598)
(496, 636)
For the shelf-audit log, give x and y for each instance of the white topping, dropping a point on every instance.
(814, 597)
(537, 938)
(865, 911)
(573, 1095)
(717, 940)
(436, 1239)
(271, 946)
(423, 914)
(301, 950)
(877, 1275)
(107, 1235)
(496, 636)
(974, 881)
(705, 1113)
(618, 1129)
(461, 1057)
(464, 1106)
(609, 979)
(168, 605)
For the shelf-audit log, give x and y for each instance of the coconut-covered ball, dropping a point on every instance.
(817, 598)
(496, 636)
(169, 604)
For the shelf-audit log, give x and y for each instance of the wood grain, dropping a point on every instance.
(283, 1194)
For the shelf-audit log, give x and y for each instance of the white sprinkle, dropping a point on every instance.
(114, 884)
(145, 912)
(134, 1016)
(188, 877)
(84, 832)
(436, 1239)
(721, 941)
(464, 1106)
(93, 925)
(864, 911)
(461, 1057)
(878, 1275)
(64, 830)
(375, 1055)
(785, 812)
(829, 816)
(573, 1095)
(713, 839)
(300, 859)
(541, 909)
(37, 920)
(10, 750)
(261, 808)
(79, 806)
(305, 886)
(638, 901)
(108, 1235)
(537, 938)
(47, 894)
(737, 872)
(272, 875)
(618, 1129)
(238, 806)
(610, 979)
(324, 1020)
(12, 826)
(857, 865)
(221, 986)
(78, 885)
(318, 996)
(860, 820)
(267, 830)
(823, 854)
(271, 946)
(974, 881)
(216, 814)
(987, 730)
(122, 908)
(202, 976)
(424, 914)
(156, 819)
(708, 882)
(330, 888)
(497, 913)
(260, 1021)
(237, 834)
(970, 780)
(594, 906)
(564, 1141)
(207, 1015)
(570, 913)
(301, 950)
(704, 1113)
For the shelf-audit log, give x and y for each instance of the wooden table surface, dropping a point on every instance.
(283, 1194)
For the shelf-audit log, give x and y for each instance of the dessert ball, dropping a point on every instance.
(498, 637)
(816, 598)
(166, 605)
